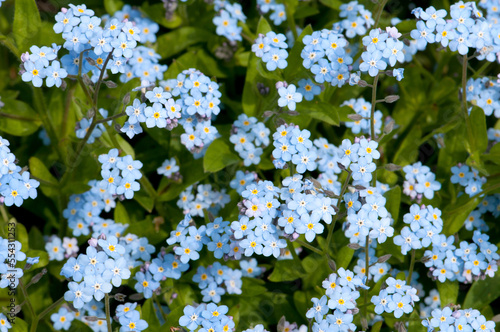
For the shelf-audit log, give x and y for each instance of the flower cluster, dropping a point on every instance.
(448, 319)
(204, 198)
(94, 274)
(119, 174)
(10, 254)
(278, 13)
(363, 108)
(467, 29)
(420, 181)
(341, 295)
(272, 49)
(163, 113)
(130, 318)
(425, 224)
(209, 316)
(242, 180)
(468, 178)
(59, 250)
(447, 262)
(367, 217)
(293, 145)
(397, 298)
(484, 93)
(41, 64)
(95, 44)
(359, 158)
(83, 126)
(249, 138)
(326, 55)
(382, 49)
(15, 182)
(357, 19)
(198, 98)
(226, 20)
(83, 212)
(217, 280)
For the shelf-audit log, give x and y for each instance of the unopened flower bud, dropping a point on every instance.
(392, 167)
(293, 113)
(355, 117)
(354, 246)
(362, 83)
(120, 297)
(110, 84)
(391, 99)
(126, 99)
(332, 265)
(91, 318)
(136, 297)
(389, 127)
(38, 276)
(384, 258)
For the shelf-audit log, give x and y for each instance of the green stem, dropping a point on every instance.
(3, 211)
(372, 113)
(465, 111)
(34, 324)
(308, 246)
(159, 306)
(108, 314)
(16, 117)
(99, 81)
(367, 266)
(412, 264)
(378, 14)
(332, 225)
(26, 298)
(296, 258)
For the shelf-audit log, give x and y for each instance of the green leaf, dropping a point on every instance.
(121, 215)
(157, 13)
(218, 156)
(113, 6)
(252, 287)
(21, 235)
(448, 292)
(48, 184)
(26, 24)
(145, 200)
(493, 155)
(286, 271)
(149, 315)
(79, 326)
(178, 40)
(251, 96)
(18, 118)
(377, 326)
(335, 4)
(146, 228)
(393, 197)
(479, 132)
(416, 323)
(192, 172)
(344, 257)
(408, 148)
(295, 70)
(19, 325)
(454, 215)
(483, 292)
(274, 75)
(319, 110)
